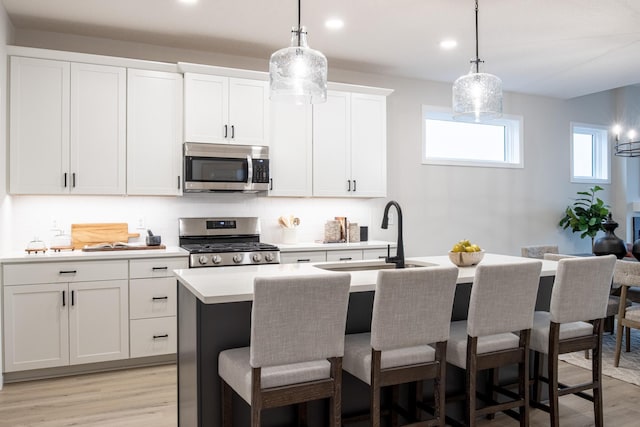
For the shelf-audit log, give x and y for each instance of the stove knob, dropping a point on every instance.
(237, 258)
(202, 260)
(257, 257)
(268, 257)
(216, 259)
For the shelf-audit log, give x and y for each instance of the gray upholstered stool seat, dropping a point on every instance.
(580, 295)
(407, 344)
(502, 302)
(297, 343)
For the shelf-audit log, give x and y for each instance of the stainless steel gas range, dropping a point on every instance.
(218, 242)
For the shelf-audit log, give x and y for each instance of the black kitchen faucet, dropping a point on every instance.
(398, 260)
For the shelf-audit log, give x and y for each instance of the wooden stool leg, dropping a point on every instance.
(375, 388)
(471, 377)
(552, 373)
(335, 401)
(616, 357)
(227, 406)
(440, 384)
(537, 371)
(302, 414)
(523, 372)
(596, 371)
(494, 375)
(393, 414)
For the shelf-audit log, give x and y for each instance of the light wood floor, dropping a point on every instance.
(146, 397)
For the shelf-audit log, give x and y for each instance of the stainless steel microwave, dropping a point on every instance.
(225, 167)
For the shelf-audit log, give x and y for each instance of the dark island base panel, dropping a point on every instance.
(204, 330)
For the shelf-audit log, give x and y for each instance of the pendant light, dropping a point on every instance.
(298, 73)
(477, 95)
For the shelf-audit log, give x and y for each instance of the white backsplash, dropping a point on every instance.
(34, 216)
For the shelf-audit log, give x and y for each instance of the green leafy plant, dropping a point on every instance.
(586, 214)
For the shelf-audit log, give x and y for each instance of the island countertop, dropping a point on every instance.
(235, 284)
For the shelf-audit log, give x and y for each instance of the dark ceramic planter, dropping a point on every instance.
(611, 244)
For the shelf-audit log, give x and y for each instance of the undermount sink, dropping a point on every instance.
(370, 265)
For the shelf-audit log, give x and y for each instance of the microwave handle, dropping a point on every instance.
(249, 169)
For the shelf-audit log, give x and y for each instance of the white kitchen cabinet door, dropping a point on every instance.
(331, 153)
(39, 126)
(368, 145)
(154, 133)
(248, 112)
(98, 321)
(206, 112)
(291, 150)
(98, 129)
(36, 326)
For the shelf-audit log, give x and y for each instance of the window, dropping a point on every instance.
(590, 160)
(447, 141)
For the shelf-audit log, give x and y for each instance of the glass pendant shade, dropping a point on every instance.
(298, 74)
(477, 96)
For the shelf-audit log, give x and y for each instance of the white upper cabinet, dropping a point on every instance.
(221, 109)
(291, 150)
(349, 145)
(98, 129)
(39, 126)
(67, 128)
(154, 129)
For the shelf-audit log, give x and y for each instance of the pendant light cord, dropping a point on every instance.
(477, 61)
(299, 27)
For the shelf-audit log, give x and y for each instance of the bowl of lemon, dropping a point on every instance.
(464, 254)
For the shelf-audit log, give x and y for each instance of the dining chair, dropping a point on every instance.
(573, 323)
(495, 334)
(407, 343)
(626, 275)
(297, 343)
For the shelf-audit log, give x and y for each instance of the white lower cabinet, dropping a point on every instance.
(322, 255)
(303, 256)
(151, 337)
(59, 324)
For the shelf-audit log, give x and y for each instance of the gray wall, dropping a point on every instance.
(500, 209)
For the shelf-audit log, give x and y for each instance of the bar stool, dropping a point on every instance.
(411, 312)
(297, 343)
(502, 302)
(579, 296)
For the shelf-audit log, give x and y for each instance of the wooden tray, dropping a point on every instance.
(96, 233)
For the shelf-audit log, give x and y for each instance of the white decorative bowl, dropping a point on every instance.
(465, 259)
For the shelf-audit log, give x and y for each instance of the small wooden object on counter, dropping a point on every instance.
(62, 248)
(43, 250)
(93, 234)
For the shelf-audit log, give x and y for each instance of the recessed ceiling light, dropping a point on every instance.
(448, 44)
(334, 23)
(188, 1)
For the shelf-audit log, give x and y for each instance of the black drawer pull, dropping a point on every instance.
(225, 131)
(155, 337)
(68, 271)
(158, 268)
(305, 260)
(73, 297)
(346, 258)
(159, 298)
(64, 299)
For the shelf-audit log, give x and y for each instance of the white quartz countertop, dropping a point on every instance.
(319, 246)
(234, 284)
(79, 255)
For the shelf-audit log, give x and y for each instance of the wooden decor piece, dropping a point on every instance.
(96, 233)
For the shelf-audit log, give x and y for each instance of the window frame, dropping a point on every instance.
(601, 153)
(513, 139)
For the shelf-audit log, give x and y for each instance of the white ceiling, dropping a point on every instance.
(560, 48)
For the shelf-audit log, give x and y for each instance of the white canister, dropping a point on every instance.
(289, 236)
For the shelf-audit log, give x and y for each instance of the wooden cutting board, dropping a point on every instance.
(93, 234)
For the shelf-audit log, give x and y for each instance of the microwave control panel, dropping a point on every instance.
(260, 171)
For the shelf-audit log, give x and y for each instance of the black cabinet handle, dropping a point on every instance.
(381, 257)
(179, 182)
(354, 185)
(349, 187)
(270, 183)
(304, 260)
(233, 131)
(64, 299)
(346, 258)
(65, 180)
(73, 180)
(73, 297)
(155, 337)
(225, 131)
(158, 268)
(159, 298)
(68, 271)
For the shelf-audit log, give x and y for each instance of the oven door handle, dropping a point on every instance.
(249, 170)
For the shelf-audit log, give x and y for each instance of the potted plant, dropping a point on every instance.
(586, 214)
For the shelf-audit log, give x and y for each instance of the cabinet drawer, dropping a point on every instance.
(376, 253)
(310, 256)
(152, 297)
(150, 337)
(156, 267)
(63, 272)
(350, 255)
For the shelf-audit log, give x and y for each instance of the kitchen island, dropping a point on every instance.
(214, 314)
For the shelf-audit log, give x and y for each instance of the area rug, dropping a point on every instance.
(629, 368)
